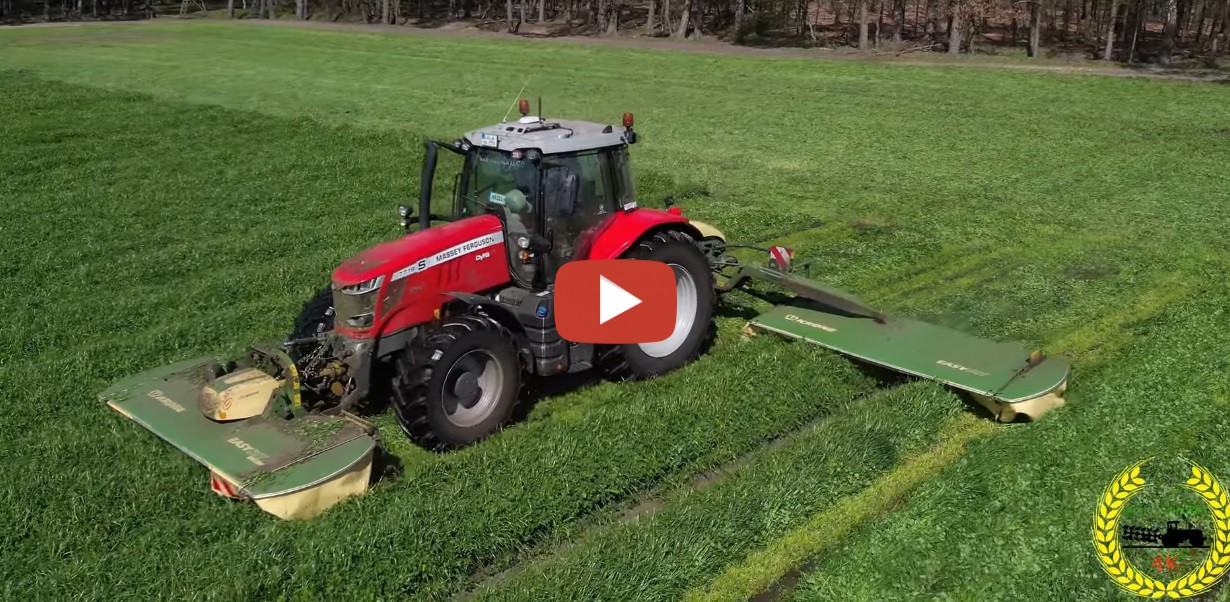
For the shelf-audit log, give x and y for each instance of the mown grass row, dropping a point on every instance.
(696, 532)
(104, 504)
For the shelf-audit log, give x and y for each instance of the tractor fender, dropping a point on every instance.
(626, 228)
(707, 230)
(500, 312)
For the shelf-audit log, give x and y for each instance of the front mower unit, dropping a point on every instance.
(291, 463)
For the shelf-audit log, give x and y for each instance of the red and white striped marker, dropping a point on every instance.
(781, 256)
(222, 486)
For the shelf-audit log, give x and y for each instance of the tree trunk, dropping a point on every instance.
(612, 20)
(698, 19)
(542, 10)
(508, 13)
(740, 7)
(1200, 26)
(863, 42)
(651, 25)
(899, 21)
(1035, 29)
(879, 21)
(1067, 20)
(1110, 31)
(1166, 57)
(1140, 6)
(666, 16)
(683, 19)
(954, 30)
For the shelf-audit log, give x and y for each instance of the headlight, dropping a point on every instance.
(355, 304)
(364, 287)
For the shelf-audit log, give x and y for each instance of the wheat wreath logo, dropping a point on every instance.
(1107, 532)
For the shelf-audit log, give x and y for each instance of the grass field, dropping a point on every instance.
(170, 190)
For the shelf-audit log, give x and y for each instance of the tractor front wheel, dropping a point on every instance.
(316, 317)
(694, 297)
(459, 384)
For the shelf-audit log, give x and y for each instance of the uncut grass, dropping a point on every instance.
(1012, 522)
(957, 155)
(177, 260)
(693, 534)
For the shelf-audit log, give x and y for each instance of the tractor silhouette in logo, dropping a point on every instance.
(1173, 537)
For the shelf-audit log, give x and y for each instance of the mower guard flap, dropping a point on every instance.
(285, 465)
(1000, 375)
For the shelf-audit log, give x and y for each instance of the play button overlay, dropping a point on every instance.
(615, 301)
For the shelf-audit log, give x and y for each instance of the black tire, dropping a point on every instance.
(438, 394)
(316, 317)
(675, 248)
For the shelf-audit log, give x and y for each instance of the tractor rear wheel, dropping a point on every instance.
(694, 296)
(459, 384)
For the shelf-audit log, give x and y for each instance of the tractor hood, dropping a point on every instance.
(419, 251)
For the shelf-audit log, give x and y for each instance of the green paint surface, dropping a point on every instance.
(263, 455)
(921, 349)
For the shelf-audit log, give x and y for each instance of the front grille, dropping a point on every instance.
(354, 311)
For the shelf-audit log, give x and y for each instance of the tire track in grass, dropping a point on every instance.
(771, 568)
(637, 507)
(1162, 396)
(693, 534)
(776, 568)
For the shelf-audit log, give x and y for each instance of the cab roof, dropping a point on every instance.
(548, 136)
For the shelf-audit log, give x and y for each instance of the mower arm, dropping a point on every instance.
(803, 287)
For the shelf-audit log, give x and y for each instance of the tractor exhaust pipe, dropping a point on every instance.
(429, 174)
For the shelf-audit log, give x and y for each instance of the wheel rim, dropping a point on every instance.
(472, 388)
(685, 315)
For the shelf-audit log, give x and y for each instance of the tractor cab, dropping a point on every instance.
(552, 183)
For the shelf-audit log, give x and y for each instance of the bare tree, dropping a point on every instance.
(1166, 57)
(1110, 31)
(683, 19)
(1035, 28)
(864, 42)
(954, 30)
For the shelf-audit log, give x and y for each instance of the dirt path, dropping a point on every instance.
(714, 46)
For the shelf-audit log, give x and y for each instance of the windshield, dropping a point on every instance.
(494, 182)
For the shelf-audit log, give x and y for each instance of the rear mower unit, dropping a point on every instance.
(444, 323)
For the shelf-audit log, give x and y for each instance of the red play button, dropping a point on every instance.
(615, 301)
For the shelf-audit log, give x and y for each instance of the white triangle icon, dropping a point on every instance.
(613, 300)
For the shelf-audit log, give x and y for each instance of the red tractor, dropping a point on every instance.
(452, 315)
